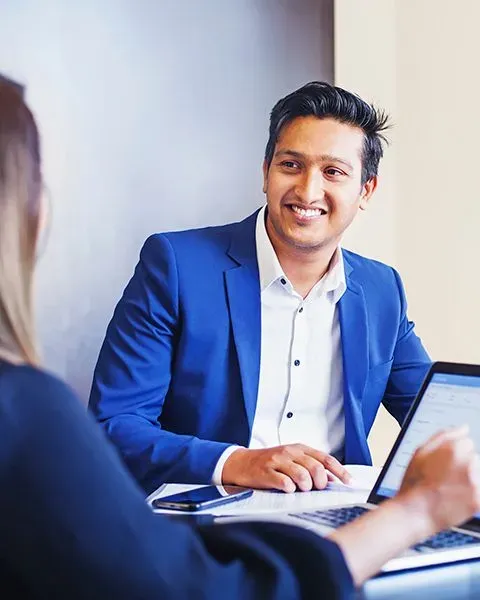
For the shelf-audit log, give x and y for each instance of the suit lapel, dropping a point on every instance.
(243, 293)
(354, 333)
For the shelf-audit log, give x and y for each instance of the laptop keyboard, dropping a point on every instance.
(447, 539)
(336, 517)
(333, 517)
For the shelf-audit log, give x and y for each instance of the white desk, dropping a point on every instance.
(264, 502)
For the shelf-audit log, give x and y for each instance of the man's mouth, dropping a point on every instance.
(307, 213)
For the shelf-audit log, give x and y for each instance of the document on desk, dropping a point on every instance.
(263, 502)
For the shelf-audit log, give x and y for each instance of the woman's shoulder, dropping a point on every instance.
(27, 382)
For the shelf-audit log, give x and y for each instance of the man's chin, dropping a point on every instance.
(307, 245)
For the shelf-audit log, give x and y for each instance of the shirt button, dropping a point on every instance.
(289, 415)
(283, 281)
(296, 363)
(300, 309)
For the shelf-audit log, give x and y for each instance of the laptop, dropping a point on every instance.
(449, 397)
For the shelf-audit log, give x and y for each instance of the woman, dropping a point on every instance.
(74, 525)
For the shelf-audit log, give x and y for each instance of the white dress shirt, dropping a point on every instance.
(300, 392)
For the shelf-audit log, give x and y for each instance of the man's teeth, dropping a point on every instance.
(308, 212)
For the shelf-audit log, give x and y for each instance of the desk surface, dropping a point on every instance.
(460, 581)
(265, 502)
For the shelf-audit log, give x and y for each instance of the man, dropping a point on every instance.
(258, 353)
(74, 525)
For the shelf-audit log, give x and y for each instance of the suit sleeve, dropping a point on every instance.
(74, 525)
(133, 375)
(410, 364)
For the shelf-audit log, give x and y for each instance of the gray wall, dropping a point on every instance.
(154, 116)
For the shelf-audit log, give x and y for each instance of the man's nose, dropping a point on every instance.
(310, 188)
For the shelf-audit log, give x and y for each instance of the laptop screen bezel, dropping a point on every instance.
(437, 367)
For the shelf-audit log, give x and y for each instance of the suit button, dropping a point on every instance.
(300, 310)
(296, 363)
(289, 415)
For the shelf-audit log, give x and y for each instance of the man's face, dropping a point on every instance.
(313, 184)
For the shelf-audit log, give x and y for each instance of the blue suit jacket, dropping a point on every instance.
(177, 377)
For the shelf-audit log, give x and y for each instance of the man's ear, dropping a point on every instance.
(368, 189)
(265, 176)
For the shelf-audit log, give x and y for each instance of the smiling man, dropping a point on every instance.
(258, 353)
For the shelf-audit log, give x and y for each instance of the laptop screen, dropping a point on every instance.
(449, 400)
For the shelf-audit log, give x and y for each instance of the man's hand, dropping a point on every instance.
(284, 468)
(442, 479)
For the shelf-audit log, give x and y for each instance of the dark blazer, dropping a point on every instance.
(73, 524)
(177, 377)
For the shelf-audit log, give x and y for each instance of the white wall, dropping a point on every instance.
(154, 117)
(419, 58)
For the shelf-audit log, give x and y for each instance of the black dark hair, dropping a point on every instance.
(18, 86)
(322, 100)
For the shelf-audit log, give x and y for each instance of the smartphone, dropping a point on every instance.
(203, 497)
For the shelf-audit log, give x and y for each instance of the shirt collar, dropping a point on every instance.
(270, 269)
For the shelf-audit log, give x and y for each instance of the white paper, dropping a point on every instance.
(268, 502)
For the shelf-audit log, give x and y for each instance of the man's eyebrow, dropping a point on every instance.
(290, 153)
(321, 158)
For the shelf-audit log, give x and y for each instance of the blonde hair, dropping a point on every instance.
(20, 198)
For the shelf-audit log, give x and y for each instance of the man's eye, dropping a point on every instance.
(333, 172)
(289, 164)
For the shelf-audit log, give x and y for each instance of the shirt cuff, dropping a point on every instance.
(218, 472)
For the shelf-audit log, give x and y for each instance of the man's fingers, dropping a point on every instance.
(316, 469)
(280, 481)
(330, 463)
(298, 474)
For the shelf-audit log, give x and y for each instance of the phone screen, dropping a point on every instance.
(202, 497)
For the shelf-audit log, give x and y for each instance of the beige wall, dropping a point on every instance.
(418, 59)
(438, 155)
(365, 56)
